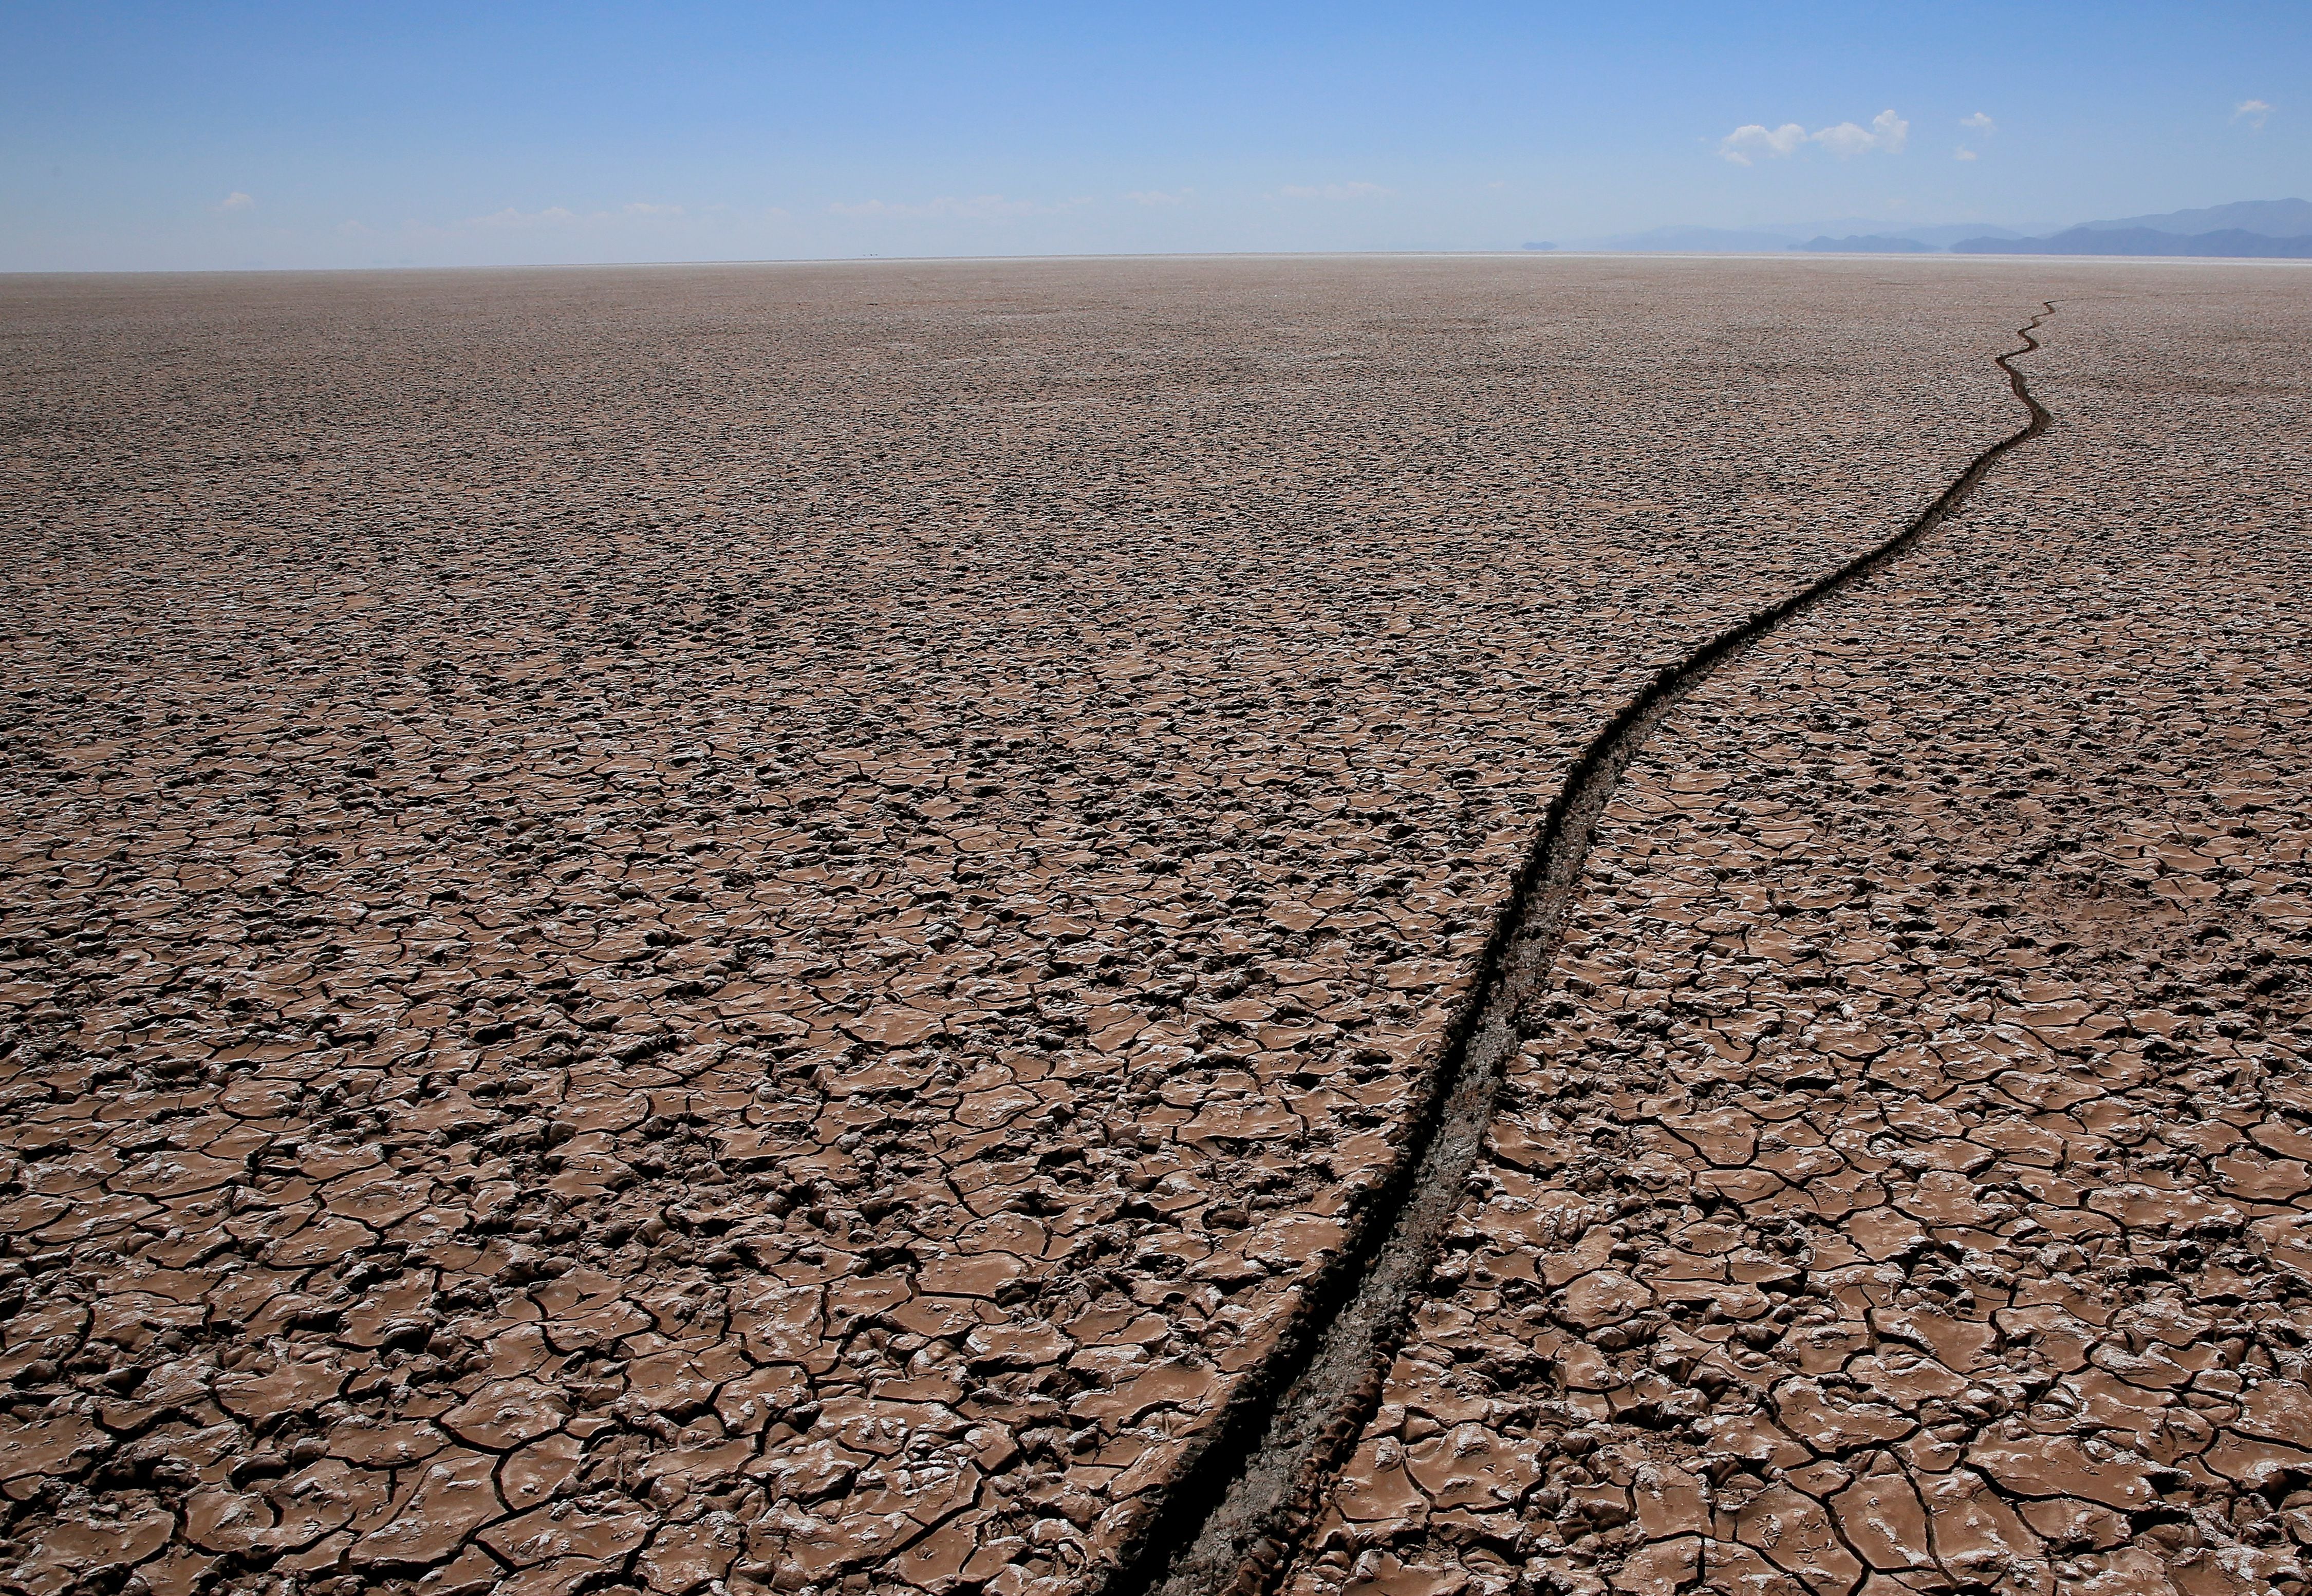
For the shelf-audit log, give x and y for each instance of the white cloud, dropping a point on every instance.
(1846, 139)
(1334, 191)
(1981, 123)
(1887, 133)
(2251, 111)
(1755, 138)
(236, 202)
(1158, 196)
(1963, 153)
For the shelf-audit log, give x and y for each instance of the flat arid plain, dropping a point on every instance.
(1386, 927)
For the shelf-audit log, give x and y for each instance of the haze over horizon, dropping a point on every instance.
(138, 137)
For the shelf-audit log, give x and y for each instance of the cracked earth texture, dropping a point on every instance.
(756, 926)
(1903, 1186)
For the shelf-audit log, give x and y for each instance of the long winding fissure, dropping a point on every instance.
(1242, 1502)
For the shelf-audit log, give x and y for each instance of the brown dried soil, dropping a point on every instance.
(757, 926)
(1905, 1184)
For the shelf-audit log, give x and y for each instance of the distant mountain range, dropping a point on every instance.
(1868, 243)
(2144, 240)
(2274, 218)
(2254, 228)
(1774, 239)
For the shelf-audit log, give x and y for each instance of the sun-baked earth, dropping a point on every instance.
(756, 925)
(1905, 1184)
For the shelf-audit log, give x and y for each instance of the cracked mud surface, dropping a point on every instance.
(1238, 1539)
(756, 926)
(1904, 1185)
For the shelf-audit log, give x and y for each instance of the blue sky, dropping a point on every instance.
(137, 136)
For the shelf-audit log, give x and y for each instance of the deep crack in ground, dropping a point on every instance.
(1238, 1515)
(745, 928)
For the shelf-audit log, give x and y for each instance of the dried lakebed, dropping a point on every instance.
(1904, 1185)
(1262, 1512)
(764, 926)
